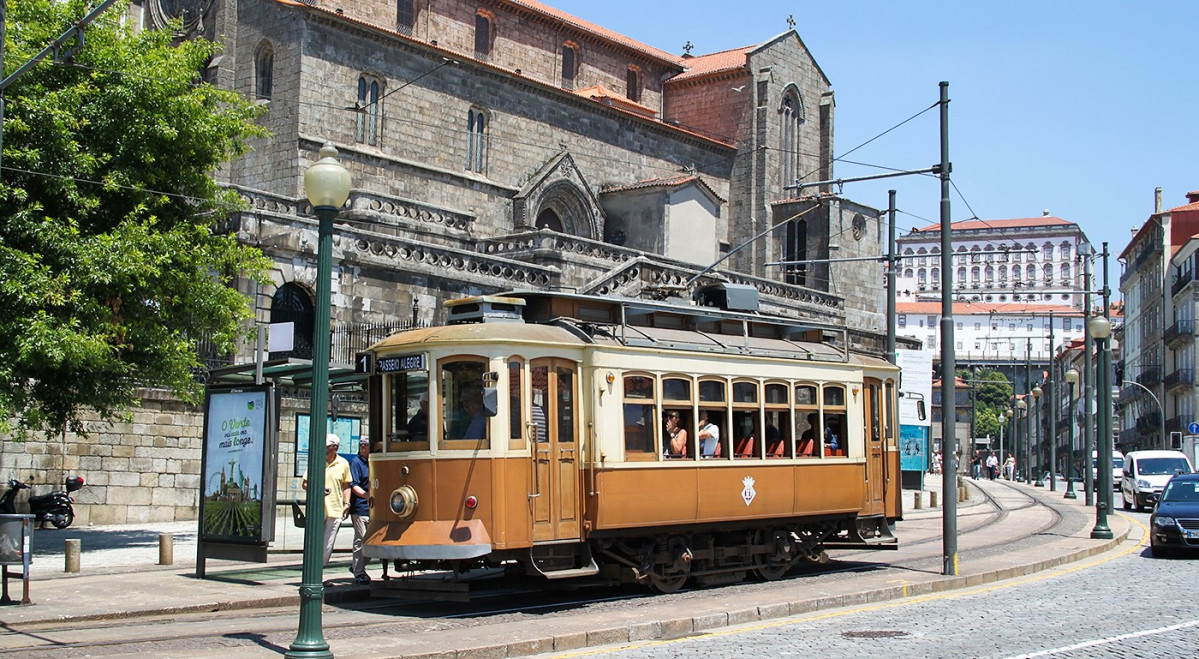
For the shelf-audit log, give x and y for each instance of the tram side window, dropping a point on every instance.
(565, 386)
(539, 376)
(778, 422)
(747, 435)
(640, 420)
(516, 404)
(677, 400)
(462, 403)
(408, 417)
(711, 428)
(874, 406)
(889, 412)
(807, 421)
(835, 430)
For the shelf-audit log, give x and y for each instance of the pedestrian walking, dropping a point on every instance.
(992, 466)
(1009, 467)
(360, 475)
(337, 494)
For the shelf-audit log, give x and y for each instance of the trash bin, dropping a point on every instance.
(16, 542)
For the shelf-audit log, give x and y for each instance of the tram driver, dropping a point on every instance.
(470, 422)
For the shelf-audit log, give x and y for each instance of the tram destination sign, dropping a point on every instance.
(401, 363)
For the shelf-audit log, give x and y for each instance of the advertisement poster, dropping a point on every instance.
(913, 448)
(235, 465)
(347, 428)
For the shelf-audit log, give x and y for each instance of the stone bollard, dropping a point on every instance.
(932, 499)
(166, 549)
(71, 554)
(919, 501)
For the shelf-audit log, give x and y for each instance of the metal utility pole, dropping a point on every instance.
(1053, 410)
(949, 462)
(1030, 402)
(1088, 382)
(1103, 498)
(891, 275)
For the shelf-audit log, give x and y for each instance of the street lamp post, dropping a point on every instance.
(1071, 379)
(1101, 328)
(1022, 407)
(327, 185)
(1036, 409)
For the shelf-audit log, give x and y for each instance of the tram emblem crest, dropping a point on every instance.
(748, 493)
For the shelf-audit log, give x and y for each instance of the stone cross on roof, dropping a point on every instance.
(791, 21)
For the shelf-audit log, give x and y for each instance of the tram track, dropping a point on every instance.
(274, 628)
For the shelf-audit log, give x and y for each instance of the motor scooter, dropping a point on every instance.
(54, 507)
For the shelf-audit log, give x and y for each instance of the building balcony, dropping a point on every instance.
(1180, 332)
(1149, 422)
(1177, 423)
(1183, 377)
(1128, 395)
(1150, 376)
(1181, 283)
(1127, 436)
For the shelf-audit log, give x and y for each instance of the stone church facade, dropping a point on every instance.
(500, 144)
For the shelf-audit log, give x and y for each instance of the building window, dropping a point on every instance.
(792, 119)
(632, 84)
(405, 16)
(902, 320)
(368, 111)
(476, 140)
(570, 64)
(292, 303)
(264, 68)
(482, 34)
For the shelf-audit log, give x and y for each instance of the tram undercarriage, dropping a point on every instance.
(664, 561)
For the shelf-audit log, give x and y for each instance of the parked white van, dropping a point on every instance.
(1146, 473)
(1117, 468)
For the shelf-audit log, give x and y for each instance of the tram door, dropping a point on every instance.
(554, 433)
(876, 473)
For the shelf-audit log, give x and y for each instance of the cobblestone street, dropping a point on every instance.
(1124, 604)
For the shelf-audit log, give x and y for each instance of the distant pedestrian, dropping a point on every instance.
(975, 467)
(1009, 467)
(992, 466)
(337, 494)
(360, 474)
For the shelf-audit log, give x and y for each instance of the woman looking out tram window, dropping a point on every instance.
(676, 436)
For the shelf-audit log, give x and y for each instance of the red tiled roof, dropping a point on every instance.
(965, 225)
(659, 182)
(702, 65)
(592, 28)
(604, 95)
(1193, 206)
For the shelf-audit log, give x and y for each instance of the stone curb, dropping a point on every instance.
(675, 628)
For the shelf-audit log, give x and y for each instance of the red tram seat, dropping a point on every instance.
(837, 453)
(777, 449)
(806, 448)
(745, 447)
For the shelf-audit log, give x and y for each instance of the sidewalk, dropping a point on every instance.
(123, 582)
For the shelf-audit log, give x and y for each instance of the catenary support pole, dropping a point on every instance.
(1053, 400)
(891, 275)
(949, 461)
(1088, 382)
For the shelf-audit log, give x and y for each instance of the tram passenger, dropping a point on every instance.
(832, 436)
(418, 425)
(708, 434)
(677, 448)
(807, 440)
(470, 422)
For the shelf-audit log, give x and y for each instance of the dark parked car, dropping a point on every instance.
(1174, 525)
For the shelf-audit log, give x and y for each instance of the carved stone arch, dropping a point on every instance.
(557, 195)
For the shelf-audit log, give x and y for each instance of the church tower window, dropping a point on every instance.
(792, 119)
(570, 64)
(476, 140)
(368, 111)
(483, 34)
(264, 67)
(632, 84)
(405, 16)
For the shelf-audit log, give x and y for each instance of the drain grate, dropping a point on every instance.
(874, 633)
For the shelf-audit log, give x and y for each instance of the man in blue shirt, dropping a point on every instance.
(360, 475)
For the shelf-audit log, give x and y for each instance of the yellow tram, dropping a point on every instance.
(626, 439)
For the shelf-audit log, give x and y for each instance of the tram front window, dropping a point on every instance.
(408, 421)
(463, 417)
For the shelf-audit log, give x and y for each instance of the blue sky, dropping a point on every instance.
(1081, 108)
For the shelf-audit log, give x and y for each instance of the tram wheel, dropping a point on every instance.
(669, 577)
(775, 565)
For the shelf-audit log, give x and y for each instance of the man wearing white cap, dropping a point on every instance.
(337, 493)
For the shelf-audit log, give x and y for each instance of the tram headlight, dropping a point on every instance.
(404, 501)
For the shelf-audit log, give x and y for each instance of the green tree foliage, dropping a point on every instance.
(109, 267)
(992, 396)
